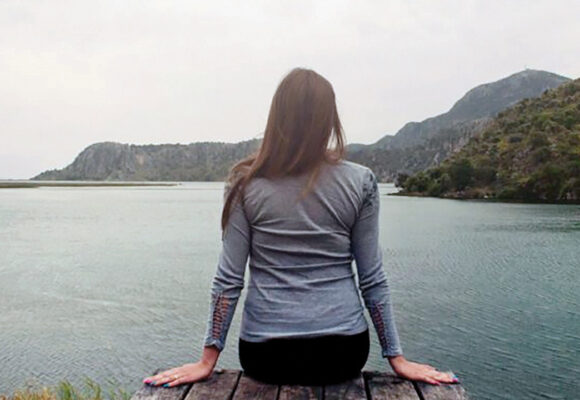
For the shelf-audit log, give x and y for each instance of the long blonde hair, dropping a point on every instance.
(302, 122)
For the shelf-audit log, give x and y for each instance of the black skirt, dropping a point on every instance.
(306, 361)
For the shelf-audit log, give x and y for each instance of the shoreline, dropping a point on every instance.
(37, 184)
(486, 200)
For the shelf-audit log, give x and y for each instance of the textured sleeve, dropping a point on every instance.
(371, 275)
(228, 281)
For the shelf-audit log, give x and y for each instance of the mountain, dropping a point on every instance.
(109, 161)
(529, 152)
(419, 145)
(415, 147)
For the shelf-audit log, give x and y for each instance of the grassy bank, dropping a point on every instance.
(64, 390)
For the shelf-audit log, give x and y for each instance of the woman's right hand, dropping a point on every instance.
(420, 372)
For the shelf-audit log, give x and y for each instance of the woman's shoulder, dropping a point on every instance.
(348, 173)
(354, 170)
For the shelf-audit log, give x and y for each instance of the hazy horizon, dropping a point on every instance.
(74, 73)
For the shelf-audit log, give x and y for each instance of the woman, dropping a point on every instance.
(304, 214)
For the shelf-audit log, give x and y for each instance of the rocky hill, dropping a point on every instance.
(419, 145)
(529, 152)
(109, 161)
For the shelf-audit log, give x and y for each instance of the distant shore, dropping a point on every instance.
(37, 184)
(490, 199)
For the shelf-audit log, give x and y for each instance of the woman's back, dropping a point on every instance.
(302, 283)
(301, 277)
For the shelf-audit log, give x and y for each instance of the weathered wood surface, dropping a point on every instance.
(350, 390)
(148, 392)
(432, 392)
(249, 388)
(370, 385)
(220, 385)
(291, 392)
(389, 386)
(154, 393)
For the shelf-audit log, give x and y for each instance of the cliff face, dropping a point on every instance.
(419, 145)
(204, 161)
(529, 152)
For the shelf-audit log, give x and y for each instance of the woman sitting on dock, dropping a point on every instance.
(302, 213)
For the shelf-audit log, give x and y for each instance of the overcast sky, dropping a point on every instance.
(73, 73)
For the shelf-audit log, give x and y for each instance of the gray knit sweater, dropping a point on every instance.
(302, 282)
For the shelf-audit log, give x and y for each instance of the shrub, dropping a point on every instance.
(401, 179)
(508, 193)
(540, 155)
(461, 173)
(538, 139)
(485, 174)
(417, 183)
(434, 189)
(547, 182)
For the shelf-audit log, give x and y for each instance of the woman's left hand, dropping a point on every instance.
(187, 372)
(177, 376)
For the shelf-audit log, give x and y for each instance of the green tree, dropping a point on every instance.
(461, 173)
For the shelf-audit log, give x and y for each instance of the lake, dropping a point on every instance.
(110, 283)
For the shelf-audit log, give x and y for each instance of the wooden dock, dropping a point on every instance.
(235, 385)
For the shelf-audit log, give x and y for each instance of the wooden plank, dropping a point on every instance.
(353, 389)
(233, 384)
(249, 388)
(442, 392)
(298, 392)
(220, 385)
(384, 385)
(148, 392)
(453, 391)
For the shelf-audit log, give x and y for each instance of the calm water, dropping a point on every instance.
(111, 283)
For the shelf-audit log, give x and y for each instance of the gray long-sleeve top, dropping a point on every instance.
(301, 281)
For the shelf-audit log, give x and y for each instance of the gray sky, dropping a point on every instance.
(136, 71)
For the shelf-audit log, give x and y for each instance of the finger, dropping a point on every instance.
(152, 378)
(177, 382)
(443, 377)
(168, 373)
(451, 377)
(160, 375)
(163, 380)
(431, 380)
(155, 380)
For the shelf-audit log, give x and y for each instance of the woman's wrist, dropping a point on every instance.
(210, 356)
(396, 361)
